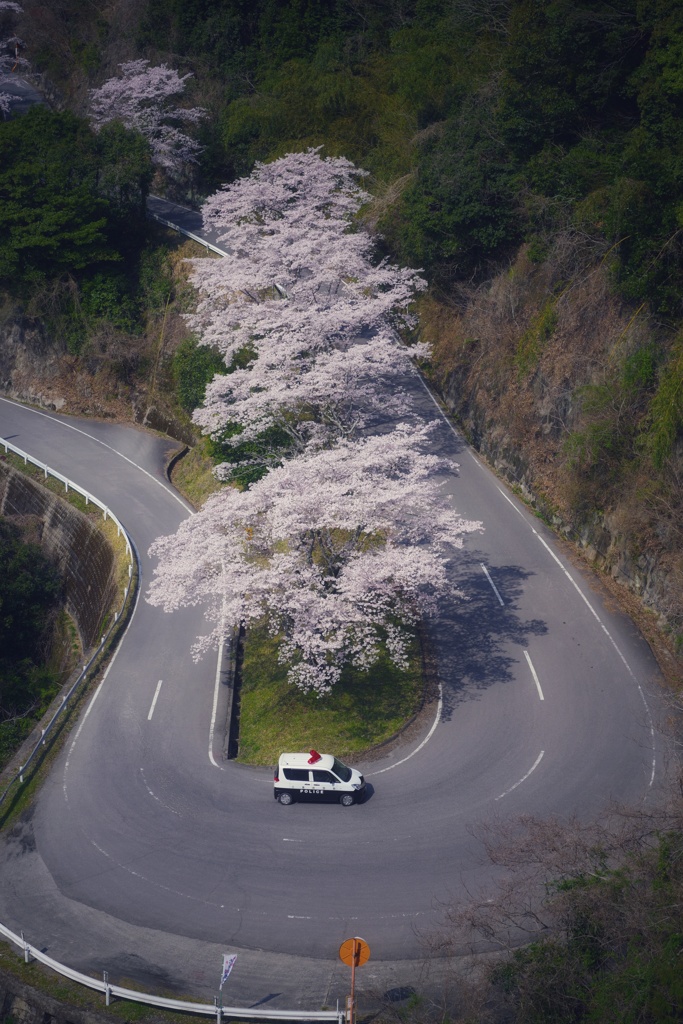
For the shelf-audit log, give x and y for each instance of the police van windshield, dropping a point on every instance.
(341, 770)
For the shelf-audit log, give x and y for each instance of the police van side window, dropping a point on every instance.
(322, 776)
(296, 774)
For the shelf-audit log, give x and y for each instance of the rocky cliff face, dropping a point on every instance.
(37, 368)
(24, 1004)
(31, 364)
(534, 372)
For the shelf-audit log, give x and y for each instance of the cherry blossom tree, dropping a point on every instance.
(296, 272)
(139, 98)
(300, 291)
(340, 550)
(344, 544)
(312, 399)
(10, 52)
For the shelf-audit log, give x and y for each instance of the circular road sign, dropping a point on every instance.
(354, 952)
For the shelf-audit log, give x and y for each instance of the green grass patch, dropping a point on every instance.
(45, 982)
(363, 709)
(193, 475)
(530, 346)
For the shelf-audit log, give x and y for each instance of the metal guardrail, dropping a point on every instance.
(215, 1009)
(108, 514)
(184, 231)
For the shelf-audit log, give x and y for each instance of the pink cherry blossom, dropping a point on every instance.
(11, 60)
(138, 98)
(300, 289)
(337, 549)
(345, 544)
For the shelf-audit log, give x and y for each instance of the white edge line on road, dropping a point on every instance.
(524, 777)
(154, 797)
(96, 693)
(533, 672)
(154, 701)
(424, 741)
(440, 411)
(495, 588)
(648, 713)
(55, 419)
(214, 710)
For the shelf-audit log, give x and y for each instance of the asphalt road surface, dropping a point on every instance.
(22, 94)
(146, 853)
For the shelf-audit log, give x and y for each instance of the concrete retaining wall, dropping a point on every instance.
(22, 1004)
(73, 543)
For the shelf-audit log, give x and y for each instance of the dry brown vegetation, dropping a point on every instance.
(552, 376)
(581, 922)
(114, 375)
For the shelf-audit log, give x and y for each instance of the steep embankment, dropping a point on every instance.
(73, 543)
(91, 366)
(556, 383)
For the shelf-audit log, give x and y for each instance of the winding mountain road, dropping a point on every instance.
(146, 854)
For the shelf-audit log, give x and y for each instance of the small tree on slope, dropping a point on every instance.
(139, 98)
(10, 56)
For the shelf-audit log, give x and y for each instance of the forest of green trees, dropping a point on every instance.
(499, 119)
(485, 124)
(508, 116)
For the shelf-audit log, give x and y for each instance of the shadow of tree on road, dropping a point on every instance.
(477, 642)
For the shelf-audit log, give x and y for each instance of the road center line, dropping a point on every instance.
(533, 672)
(495, 588)
(524, 777)
(154, 701)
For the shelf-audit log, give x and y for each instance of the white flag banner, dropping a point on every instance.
(228, 964)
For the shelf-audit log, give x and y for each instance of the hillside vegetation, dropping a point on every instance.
(525, 153)
(528, 155)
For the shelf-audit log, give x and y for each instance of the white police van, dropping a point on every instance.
(315, 776)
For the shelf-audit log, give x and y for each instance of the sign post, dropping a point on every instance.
(354, 953)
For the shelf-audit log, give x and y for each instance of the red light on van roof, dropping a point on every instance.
(315, 757)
